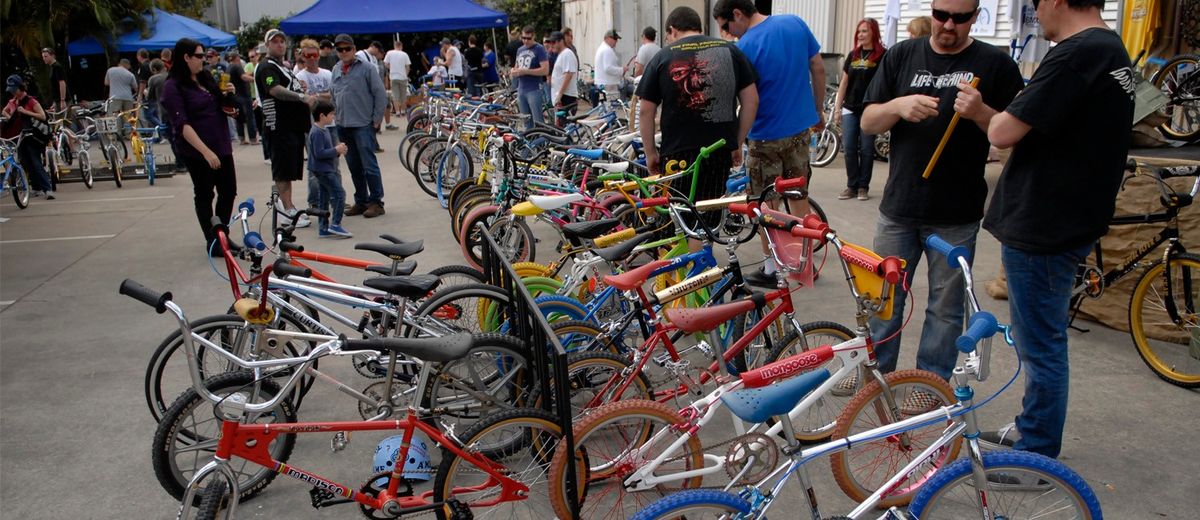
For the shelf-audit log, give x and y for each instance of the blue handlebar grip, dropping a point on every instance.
(952, 252)
(983, 325)
(254, 241)
(248, 206)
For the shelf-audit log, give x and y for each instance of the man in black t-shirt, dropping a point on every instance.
(920, 85)
(286, 118)
(699, 81)
(1070, 133)
(474, 63)
(57, 96)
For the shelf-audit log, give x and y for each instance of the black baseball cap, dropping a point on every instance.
(612, 33)
(343, 38)
(13, 83)
(326, 44)
(556, 36)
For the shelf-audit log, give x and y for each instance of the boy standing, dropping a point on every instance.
(323, 166)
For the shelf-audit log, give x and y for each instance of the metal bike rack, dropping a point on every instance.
(548, 354)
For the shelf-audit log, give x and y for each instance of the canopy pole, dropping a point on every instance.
(495, 42)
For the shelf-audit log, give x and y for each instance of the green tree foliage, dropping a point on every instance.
(250, 35)
(189, 8)
(543, 15)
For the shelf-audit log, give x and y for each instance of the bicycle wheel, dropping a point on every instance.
(114, 163)
(696, 504)
(515, 239)
(817, 422)
(862, 469)
(405, 144)
(1179, 79)
(425, 165)
(53, 169)
(558, 308)
(1171, 349)
(470, 307)
(496, 375)
(176, 456)
(589, 374)
(85, 167)
(577, 336)
(414, 146)
(469, 239)
(167, 374)
(1057, 492)
(454, 166)
(824, 148)
(610, 444)
(456, 275)
(466, 204)
(520, 443)
(18, 184)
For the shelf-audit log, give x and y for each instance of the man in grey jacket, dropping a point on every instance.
(361, 101)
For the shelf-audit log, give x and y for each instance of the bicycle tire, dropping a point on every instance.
(602, 440)
(1170, 350)
(151, 167)
(591, 371)
(114, 163)
(405, 144)
(457, 309)
(1189, 113)
(692, 503)
(856, 418)
(824, 148)
(454, 275)
(557, 308)
(214, 500)
(414, 146)
(465, 205)
(167, 439)
(425, 166)
(454, 166)
(53, 170)
(937, 498)
(528, 438)
(449, 394)
(469, 239)
(18, 182)
(85, 167)
(819, 420)
(418, 122)
(515, 239)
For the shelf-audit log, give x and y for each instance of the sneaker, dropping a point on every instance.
(862, 194)
(1002, 439)
(303, 222)
(1018, 482)
(49, 195)
(847, 193)
(760, 278)
(846, 387)
(392, 127)
(334, 232)
(355, 210)
(266, 161)
(36, 193)
(374, 209)
(919, 402)
(378, 149)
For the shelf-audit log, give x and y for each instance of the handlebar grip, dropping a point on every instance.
(217, 225)
(952, 252)
(247, 206)
(812, 221)
(708, 150)
(773, 222)
(803, 232)
(782, 184)
(742, 208)
(282, 268)
(983, 325)
(319, 213)
(653, 202)
(291, 246)
(891, 267)
(140, 293)
(254, 241)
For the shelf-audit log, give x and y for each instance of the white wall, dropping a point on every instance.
(818, 14)
(252, 10)
(874, 9)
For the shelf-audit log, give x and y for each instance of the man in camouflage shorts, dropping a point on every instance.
(787, 157)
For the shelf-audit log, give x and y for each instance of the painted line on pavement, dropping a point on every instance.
(59, 201)
(8, 302)
(87, 237)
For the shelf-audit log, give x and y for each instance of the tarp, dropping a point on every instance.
(392, 16)
(165, 29)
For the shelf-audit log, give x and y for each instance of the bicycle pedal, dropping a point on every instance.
(459, 510)
(661, 359)
(339, 442)
(322, 498)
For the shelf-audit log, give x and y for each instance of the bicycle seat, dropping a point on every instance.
(394, 251)
(552, 202)
(411, 287)
(589, 229)
(403, 269)
(634, 278)
(756, 405)
(704, 319)
(437, 350)
(594, 155)
(621, 251)
(627, 138)
(615, 167)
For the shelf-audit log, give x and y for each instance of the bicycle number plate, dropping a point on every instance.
(108, 125)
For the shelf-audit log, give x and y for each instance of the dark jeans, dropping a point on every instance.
(474, 79)
(364, 167)
(1039, 295)
(568, 104)
(205, 181)
(314, 188)
(330, 196)
(266, 142)
(859, 148)
(245, 120)
(30, 154)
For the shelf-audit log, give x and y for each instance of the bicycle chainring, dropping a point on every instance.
(374, 367)
(1093, 281)
(378, 482)
(375, 391)
(762, 449)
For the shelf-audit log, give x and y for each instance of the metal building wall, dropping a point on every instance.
(818, 14)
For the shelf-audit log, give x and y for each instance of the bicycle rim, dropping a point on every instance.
(19, 185)
(1171, 349)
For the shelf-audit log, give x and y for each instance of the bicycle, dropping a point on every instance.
(1179, 79)
(472, 472)
(66, 146)
(109, 130)
(1006, 484)
(15, 179)
(1163, 310)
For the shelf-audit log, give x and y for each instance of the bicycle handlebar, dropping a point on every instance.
(953, 253)
(983, 325)
(247, 206)
(282, 268)
(708, 150)
(782, 185)
(142, 294)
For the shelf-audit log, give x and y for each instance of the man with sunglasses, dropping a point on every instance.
(286, 119)
(361, 101)
(1070, 132)
(920, 85)
(528, 72)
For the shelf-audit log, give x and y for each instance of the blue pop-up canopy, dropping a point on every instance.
(165, 29)
(392, 16)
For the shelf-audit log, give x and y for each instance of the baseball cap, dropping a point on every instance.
(326, 44)
(13, 83)
(343, 38)
(612, 33)
(556, 36)
(273, 33)
(445, 41)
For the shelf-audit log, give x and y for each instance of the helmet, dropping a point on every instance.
(415, 468)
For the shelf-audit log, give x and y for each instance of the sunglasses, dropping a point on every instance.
(345, 49)
(959, 18)
(197, 55)
(527, 37)
(725, 26)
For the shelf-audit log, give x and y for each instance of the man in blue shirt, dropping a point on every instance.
(790, 103)
(529, 74)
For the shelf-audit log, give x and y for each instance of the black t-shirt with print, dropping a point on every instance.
(280, 115)
(1059, 189)
(58, 73)
(859, 69)
(955, 191)
(696, 81)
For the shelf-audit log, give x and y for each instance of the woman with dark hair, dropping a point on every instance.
(193, 105)
(860, 67)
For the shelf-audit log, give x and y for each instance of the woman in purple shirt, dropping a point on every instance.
(194, 107)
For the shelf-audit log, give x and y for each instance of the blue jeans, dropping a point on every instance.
(330, 196)
(530, 102)
(29, 155)
(364, 167)
(1039, 295)
(945, 310)
(314, 189)
(860, 152)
